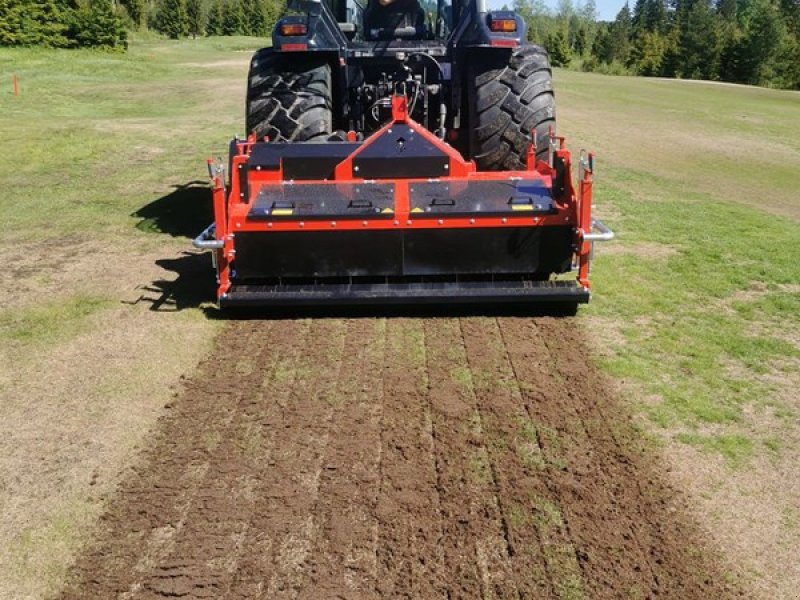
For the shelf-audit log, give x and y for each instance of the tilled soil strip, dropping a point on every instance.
(386, 458)
(542, 552)
(629, 534)
(296, 430)
(410, 556)
(475, 547)
(342, 560)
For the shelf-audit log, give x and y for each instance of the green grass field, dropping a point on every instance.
(696, 307)
(702, 287)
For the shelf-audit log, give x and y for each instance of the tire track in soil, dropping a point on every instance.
(397, 458)
(630, 535)
(275, 555)
(410, 558)
(474, 541)
(343, 562)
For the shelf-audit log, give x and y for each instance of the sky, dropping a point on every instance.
(606, 9)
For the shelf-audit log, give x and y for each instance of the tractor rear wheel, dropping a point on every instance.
(288, 97)
(510, 98)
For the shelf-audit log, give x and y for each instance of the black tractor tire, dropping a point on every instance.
(510, 98)
(288, 97)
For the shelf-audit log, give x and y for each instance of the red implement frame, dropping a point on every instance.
(573, 207)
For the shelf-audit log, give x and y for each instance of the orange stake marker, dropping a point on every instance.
(15, 83)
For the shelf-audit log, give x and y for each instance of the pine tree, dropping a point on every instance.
(557, 47)
(255, 18)
(172, 19)
(699, 43)
(750, 57)
(727, 10)
(215, 17)
(136, 11)
(195, 17)
(621, 31)
(96, 24)
(32, 22)
(647, 53)
(233, 19)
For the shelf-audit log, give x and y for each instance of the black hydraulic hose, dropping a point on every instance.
(442, 105)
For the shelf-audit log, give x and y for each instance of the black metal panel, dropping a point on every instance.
(317, 254)
(282, 201)
(400, 152)
(480, 198)
(398, 293)
(301, 160)
(483, 251)
(428, 252)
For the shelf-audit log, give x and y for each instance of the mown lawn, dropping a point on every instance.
(696, 307)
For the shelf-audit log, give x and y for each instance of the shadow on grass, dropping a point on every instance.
(193, 287)
(184, 212)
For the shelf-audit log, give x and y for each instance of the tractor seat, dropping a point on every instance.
(400, 19)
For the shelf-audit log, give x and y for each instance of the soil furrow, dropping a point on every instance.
(536, 532)
(400, 458)
(344, 548)
(275, 553)
(473, 536)
(611, 523)
(410, 561)
(159, 501)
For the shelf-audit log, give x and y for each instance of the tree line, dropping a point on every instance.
(743, 41)
(61, 23)
(105, 23)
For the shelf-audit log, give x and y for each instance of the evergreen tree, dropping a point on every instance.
(655, 15)
(171, 18)
(750, 58)
(557, 47)
(727, 10)
(647, 53)
(215, 18)
(136, 11)
(699, 43)
(255, 17)
(96, 24)
(195, 17)
(32, 22)
(233, 22)
(621, 31)
(603, 46)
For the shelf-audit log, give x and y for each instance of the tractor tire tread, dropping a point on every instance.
(288, 98)
(509, 101)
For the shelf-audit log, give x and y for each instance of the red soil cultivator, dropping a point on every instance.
(398, 218)
(353, 186)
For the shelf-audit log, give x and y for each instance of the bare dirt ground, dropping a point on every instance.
(471, 457)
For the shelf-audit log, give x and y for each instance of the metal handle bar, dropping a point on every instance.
(207, 240)
(604, 234)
